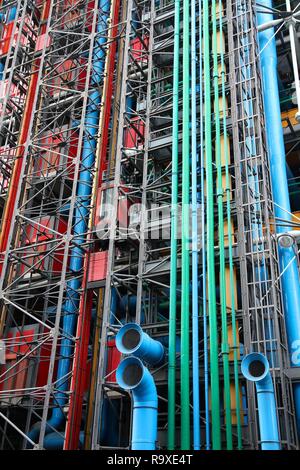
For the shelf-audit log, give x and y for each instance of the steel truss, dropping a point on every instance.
(263, 320)
(35, 270)
(137, 167)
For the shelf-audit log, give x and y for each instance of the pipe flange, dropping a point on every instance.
(286, 241)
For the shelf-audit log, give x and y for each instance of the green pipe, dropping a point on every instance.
(174, 222)
(230, 253)
(225, 345)
(185, 257)
(212, 312)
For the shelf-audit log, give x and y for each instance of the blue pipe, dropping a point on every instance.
(81, 212)
(195, 306)
(288, 263)
(202, 184)
(133, 376)
(54, 441)
(113, 306)
(131, 339)
(255, 367)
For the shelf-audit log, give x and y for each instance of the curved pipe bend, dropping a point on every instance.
(131, 339)
(133, 376)
(255, 367)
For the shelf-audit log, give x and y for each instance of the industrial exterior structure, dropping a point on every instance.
(150, 222)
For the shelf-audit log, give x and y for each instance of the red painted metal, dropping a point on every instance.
(7, 41)
(18, 343)
(55, 155)
(134, 134)
(97, 266)
(139, 49)
(34, 234)
(113, 360)
(43, 41)
(83, 327)
(109, 94)
(71, 74)
(104, 199)
(19, 151)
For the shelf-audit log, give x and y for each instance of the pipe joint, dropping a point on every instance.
(134, 377)
(255, 368)
(131, 339)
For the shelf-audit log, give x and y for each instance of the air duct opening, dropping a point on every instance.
(131, 339)
(257, 368)
(132, 374)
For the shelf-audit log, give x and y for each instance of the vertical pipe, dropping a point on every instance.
(222, 279)
(202, 184)
(230, 253)
(174, 222)
(255, 367)
(133, 376)
(292, 32)
(185, 258)
(213, 331)
(195, 306)
(290, 281)
(81, 212)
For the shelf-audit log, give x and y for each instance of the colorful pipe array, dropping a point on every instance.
(204, 176)
(290, 280)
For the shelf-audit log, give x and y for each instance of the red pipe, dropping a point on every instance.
(7, 218)
(79, 376)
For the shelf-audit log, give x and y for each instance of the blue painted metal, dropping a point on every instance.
(54, 441)
(80, 222)
(195, 274)
(145, 348)
(145, 402)
(113, 306)
(268, 424)
(288, 264)
(204, 280)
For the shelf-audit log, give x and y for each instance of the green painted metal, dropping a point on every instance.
(185, 257)
(222, 277)
(230, 253)
(174, 232)
(213, 332)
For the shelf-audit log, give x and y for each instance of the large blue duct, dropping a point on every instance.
(131, 339)
(80, 222)
(290, 281)
(133, 376)
(255, 367)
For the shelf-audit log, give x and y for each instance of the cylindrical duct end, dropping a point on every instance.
(133, 376)
(131, 339)
(255, 367)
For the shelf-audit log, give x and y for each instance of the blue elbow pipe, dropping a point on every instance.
(255, 367)
(54, 441)
(81, 212)
(133, 376)
(288, 263)
(131, 339)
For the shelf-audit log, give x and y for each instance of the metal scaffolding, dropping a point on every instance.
(77, 264)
